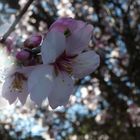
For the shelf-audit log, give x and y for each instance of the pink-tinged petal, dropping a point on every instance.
(63, 88)
(79, 40)
(63, 24)
(40, 83)
(85, 64)
(52, 46)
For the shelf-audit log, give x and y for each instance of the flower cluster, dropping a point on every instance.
(50, 72)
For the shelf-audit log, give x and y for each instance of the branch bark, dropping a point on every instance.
(18, 18)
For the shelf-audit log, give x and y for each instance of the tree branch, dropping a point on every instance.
(22, 12)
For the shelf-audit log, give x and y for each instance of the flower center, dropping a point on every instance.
(17, 83)
(67, 32)
(63, 63)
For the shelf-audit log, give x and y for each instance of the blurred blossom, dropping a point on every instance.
(9, 44)
(65, 9)
(134, 112)
(4, 28)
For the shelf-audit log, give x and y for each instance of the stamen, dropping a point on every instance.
(67, 67)
(67, 33)
(17, 83)
(63, 63)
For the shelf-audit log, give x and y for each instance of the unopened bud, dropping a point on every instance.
(22, 55)
(33, 41)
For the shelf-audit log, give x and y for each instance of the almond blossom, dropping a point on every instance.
(65, 57)
(15, 84)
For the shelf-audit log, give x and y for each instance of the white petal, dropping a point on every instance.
(26, 71)
(7, 92)
(85, 64)
(40, 83)
(23, 96)
(53, 46)
(79, 40)
(63, 88)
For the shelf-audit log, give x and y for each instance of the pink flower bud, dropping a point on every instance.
(33, 41)
(22, 55)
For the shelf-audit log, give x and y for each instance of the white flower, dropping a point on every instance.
(15, 84)
(63, 58)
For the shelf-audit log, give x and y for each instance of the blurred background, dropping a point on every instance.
(106, 104)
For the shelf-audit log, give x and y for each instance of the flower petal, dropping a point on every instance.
(23, 96)
(40, 83)
(61, 92)
(53, 46)
(67, 23)
(7, 92)
(85, 64)
(3, 102)
(79, 40)
(26, 71)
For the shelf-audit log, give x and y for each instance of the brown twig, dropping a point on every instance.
(18, 17)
